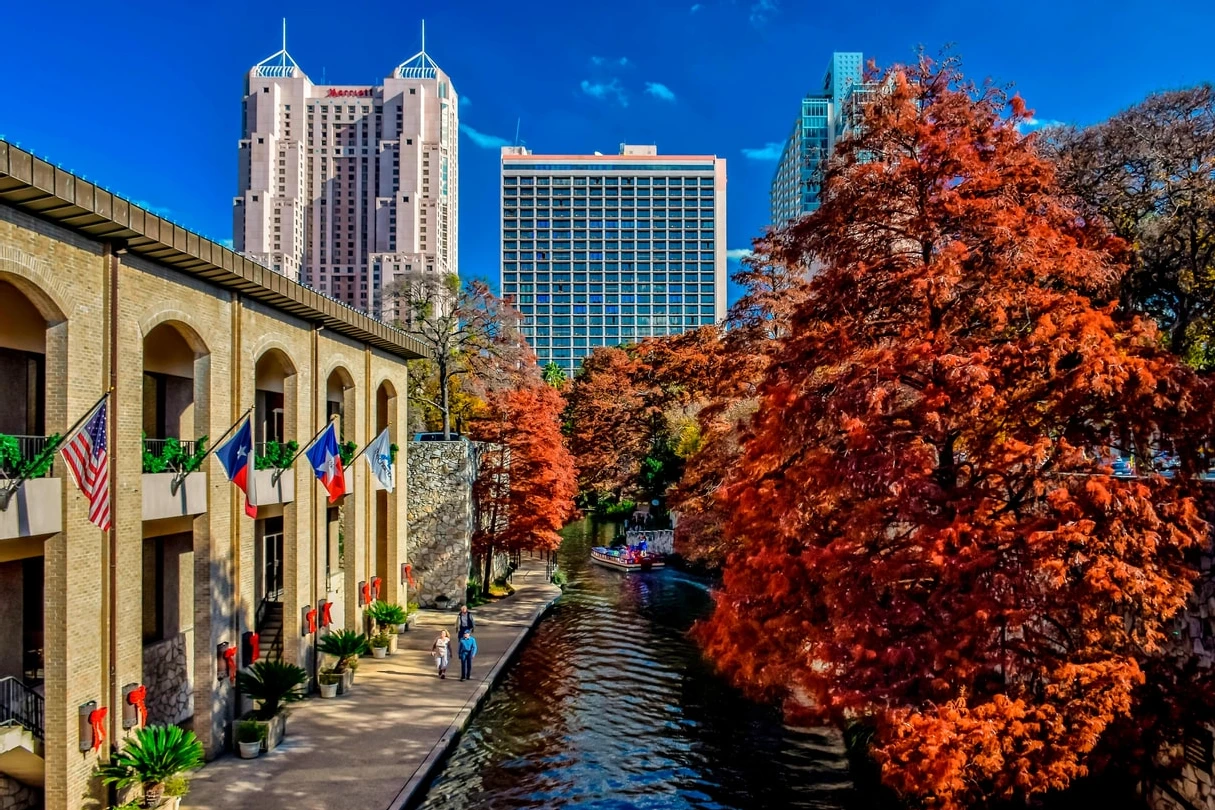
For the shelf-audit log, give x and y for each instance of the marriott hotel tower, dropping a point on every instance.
(345, 187)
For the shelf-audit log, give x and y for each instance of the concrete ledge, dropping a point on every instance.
(415, 789)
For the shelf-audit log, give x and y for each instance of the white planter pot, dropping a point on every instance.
(329, 690)
(379, 652)
(347, 682)
(250, 750)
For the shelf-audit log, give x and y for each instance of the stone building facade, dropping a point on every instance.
(100, 294)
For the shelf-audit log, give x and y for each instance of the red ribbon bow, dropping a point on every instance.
(138, 698)
(97, 721)
(311, 615)
(409, 575)
(366, 593)
(375, 586)
(230, 660)
(326, 614)
(255, 647)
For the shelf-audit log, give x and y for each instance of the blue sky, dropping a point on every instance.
(144, 97)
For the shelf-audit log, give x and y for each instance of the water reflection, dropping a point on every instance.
(611, 706)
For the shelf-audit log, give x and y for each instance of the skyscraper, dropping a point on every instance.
(348, 187)
(823, 120)
(601, 250)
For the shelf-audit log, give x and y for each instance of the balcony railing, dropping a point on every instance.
(28, 449)
(22, 706)
(157, 446)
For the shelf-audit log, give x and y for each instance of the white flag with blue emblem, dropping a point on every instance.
(379, 456)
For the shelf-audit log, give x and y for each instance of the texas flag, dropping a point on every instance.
(327, 462)
(237, 457)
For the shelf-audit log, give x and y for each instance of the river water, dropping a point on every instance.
(609, 706)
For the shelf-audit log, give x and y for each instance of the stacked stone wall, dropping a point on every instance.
(16, 796)
(166, 673)
(441, 476)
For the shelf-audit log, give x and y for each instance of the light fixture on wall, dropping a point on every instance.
(134, 705)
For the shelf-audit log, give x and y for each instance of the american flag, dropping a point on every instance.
(86, 456)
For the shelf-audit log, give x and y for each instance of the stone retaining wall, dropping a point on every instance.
(441, 476)
(166, 674)
(16, 796)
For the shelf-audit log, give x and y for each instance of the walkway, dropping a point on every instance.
(374, 748)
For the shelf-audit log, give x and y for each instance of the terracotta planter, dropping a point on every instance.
(329, 690)
(250, 750)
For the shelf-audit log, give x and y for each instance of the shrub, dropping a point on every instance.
(277, 455)
(249, 731)
(328, 676)
(387, 614)
(344, 645)
(150, 758)
(272, 684)
(560, 578)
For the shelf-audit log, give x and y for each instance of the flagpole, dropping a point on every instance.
(11, 486)
(279, 472)
(227, 433)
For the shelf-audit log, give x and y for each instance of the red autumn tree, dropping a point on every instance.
(772, 289)
(526, 482)
(607, 421)
(924, 532)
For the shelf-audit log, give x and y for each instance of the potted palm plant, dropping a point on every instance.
(346, 646)
(249, 739)
(379, 644)
(271, 685)
(389, 617)
(328, 681)
(150, 759)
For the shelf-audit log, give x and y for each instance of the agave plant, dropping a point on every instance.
(150, 758)
(344, 645)
(271, 684)
(387, 614)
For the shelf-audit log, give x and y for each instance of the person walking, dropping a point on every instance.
(464, 621)
(441, 650)
(468, 649)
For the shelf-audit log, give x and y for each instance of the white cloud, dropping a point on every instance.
(769, 151)
(604, 90)
(696, 8)
(158, 210)
(659, 91)
(600, 61)
(465, 101)
(761, 10)
(1039, 123)
(738, 254)
(482, 140)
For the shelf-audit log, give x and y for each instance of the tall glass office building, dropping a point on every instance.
(602, 250)
(824, 119)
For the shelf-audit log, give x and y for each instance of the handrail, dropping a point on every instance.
(23, 706)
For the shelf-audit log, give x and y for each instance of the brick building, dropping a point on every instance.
(97, 292)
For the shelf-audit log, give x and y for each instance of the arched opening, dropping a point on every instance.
(31, 332)
(385, 520)
(340, 402)
(175, 374)
(274, 435)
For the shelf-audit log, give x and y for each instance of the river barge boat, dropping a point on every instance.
(624, 559)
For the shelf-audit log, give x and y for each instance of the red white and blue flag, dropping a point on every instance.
(85, 452)
(236, 455)
(326, 459)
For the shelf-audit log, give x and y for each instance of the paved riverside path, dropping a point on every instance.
(372, 749)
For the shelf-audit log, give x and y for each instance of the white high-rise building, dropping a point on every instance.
(346, 187)
(600, 250)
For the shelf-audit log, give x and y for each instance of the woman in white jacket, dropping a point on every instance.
(441, 650)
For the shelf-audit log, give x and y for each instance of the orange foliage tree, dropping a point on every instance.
(526, 481)
(923, 533)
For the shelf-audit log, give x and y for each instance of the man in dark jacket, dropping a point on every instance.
(464, 621)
